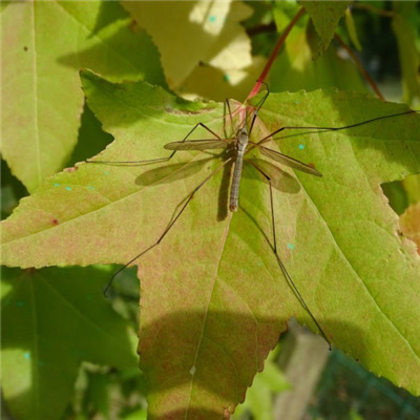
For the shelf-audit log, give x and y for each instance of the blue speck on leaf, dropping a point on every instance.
(212, 18)
(27, 355)
(56, 184)
(21, 303)
(68, 188)
(225, 77)
(106, 173)
(290, 246)
(301, 146)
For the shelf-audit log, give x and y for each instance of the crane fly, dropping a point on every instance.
(241, 145)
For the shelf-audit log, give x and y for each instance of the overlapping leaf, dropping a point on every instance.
(44, 46)
(194, 32)
(213, 297)
(295, 69)
(52, 320)
(325, 16)
(405, 26)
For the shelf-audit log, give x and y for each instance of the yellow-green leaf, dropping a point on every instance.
(44, 44)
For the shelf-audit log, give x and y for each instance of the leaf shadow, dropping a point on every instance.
(220, 369)
(97, 58)
(108, 13)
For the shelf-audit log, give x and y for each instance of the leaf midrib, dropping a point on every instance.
(35, 92)
(215, 276)
(341, 252)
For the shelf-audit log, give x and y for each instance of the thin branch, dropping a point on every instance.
(360, 66)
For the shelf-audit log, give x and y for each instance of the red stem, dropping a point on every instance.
(273, 55)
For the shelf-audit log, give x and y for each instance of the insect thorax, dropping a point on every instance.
(242, 138)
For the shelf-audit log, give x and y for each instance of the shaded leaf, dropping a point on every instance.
(351, 29)
(405, 24)
(52, 320)
(325, 16)
(295, 69)
(213, 298)
(91, 139)
(11, 191)
(44, 46)
(396, 195)
(259, 398)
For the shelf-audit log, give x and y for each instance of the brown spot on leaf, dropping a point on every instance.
(55, 222)
(72, 169)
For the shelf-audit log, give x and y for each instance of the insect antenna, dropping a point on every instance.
(259, 106)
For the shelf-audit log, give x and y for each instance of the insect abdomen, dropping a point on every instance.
(234, 191)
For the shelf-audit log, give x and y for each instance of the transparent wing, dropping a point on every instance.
(198, 144)
(288, 161)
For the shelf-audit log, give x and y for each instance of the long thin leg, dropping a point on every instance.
(150, 161)
(265, 139)
(169, 227)
(259, 107)
(231, 117)
(280, 262)
(255, 112)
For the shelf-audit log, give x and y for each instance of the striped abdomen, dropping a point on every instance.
(241, 144)
(236, 180)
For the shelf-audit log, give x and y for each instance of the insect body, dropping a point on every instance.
(241, 145)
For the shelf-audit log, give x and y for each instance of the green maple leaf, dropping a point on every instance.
(213, 298)
(52, 320)
(42, 103)
(325, 17)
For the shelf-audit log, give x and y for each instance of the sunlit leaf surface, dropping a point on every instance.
(188, 33)
(44, 45)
